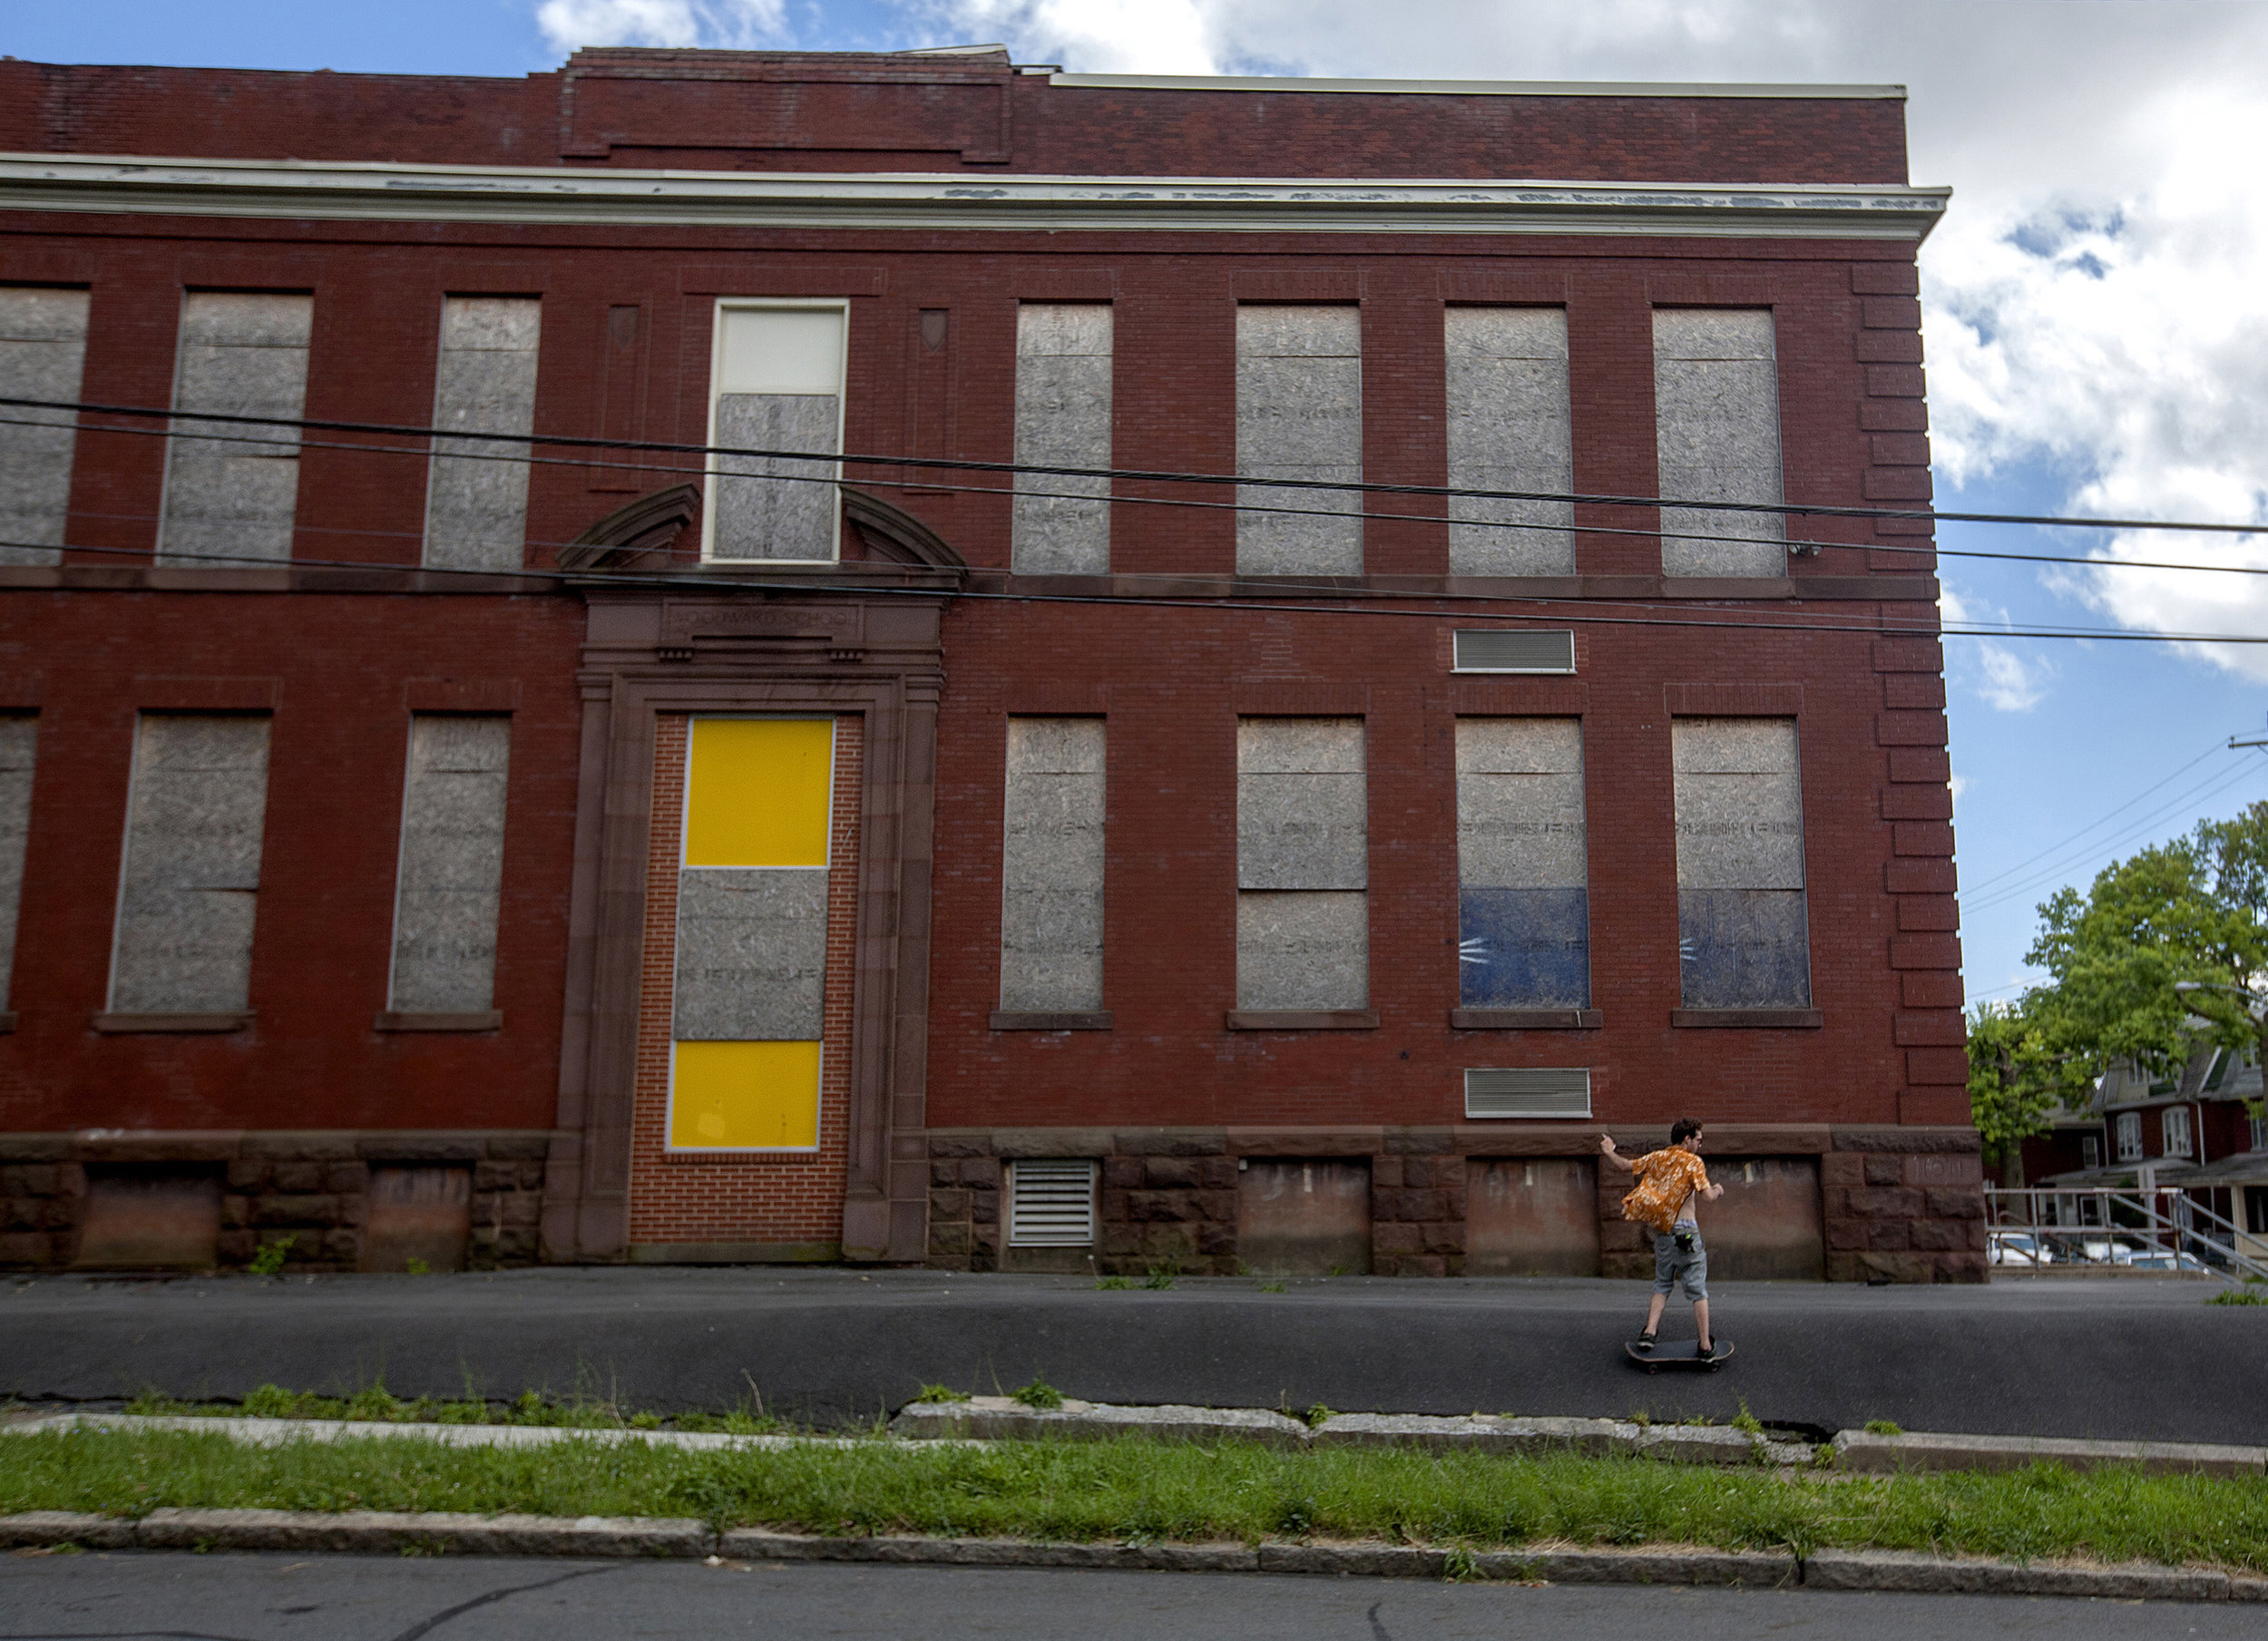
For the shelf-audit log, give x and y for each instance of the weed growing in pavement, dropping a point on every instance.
(2246, 1296)
(1746, 1422)
(269, 1259)
(1273, 1287)
(414, 1266)
(1315, 1415)
(1039, 1394)
(1117, 1284)
(1161, 1276)
(1883, 1427)
(939, 1392)
(1069, 1492)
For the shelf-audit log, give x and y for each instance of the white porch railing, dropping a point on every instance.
(2103, 1226)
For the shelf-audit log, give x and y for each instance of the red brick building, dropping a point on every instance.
(597, 842)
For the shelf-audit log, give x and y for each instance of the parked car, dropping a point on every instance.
(2164, 1259)
(2018, 1248)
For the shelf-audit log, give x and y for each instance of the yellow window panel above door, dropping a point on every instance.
(758, 791)
(744, 1097)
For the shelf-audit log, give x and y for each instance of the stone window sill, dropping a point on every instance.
(394, 1019)
(1299, 1020)
(1753, 1019)
(1526, 1019)
(119, 1025)
(1073, 1020)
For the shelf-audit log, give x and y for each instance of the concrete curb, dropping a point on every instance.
(1004, 1418)
(1863, 1452)
(278, 1432)
(374, 1532)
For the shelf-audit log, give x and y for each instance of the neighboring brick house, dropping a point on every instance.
(422, 852)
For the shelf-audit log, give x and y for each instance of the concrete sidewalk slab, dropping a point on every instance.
(2121, 1360)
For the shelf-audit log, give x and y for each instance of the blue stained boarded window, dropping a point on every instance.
(1522, 867)
(1743, 927)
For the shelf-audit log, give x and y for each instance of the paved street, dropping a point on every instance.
(356, 1599)
(2133, 1359)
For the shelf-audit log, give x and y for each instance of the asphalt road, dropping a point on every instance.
(363, 1598)
(2137, 1358)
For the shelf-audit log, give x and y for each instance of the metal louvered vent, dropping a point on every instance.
(1051, 1203)
(1502, 650)
(1528, 1092)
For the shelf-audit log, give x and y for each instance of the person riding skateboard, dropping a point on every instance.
(1670, 1182)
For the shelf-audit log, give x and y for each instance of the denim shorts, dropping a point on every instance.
(1672, 1267)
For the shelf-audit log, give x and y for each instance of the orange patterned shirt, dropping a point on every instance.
(1666, 1179)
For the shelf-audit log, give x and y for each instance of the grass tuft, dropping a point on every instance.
(1883, 1427)
(939, 1392)
(2243, 1295)
(1117, 1284)
(1039, 1394)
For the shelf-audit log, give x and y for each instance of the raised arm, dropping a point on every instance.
(1606, 1150)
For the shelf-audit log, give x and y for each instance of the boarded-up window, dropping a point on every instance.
(452, 859)
(1051, 853)
(191, 877)
(1716, 422)
(231, 490)
(1063, 420)
(778, 378)
(1523, 897)
(43, 348)
(19, 746)
(1299, 415)
(751, 936)
(476, 497)
(1303, 864)
(1508, 429)
(1743, 937)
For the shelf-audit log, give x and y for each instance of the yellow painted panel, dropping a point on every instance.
(758, 790)
(743, 1096)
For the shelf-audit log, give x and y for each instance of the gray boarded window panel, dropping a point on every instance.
(19, 746)
(1509, 428)
(1743, 927)
(1717, 417)
(1063, 365)
(476, 506)
(190, 882)
(1302, 810)
(1522, 864)
(43, 352)
(751, 959)
(1299, 415)
(1302, 951)
(233, 497)
(1052, 865)
(776, 507)
(452, 864)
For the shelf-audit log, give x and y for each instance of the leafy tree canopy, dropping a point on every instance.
(2194, 910)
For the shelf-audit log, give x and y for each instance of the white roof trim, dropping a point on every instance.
(377, 191)
(1468, 88)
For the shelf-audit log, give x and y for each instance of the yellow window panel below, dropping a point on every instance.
(757, 791)
(744, 1097)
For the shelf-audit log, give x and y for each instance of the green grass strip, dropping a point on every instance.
(1136, 1489)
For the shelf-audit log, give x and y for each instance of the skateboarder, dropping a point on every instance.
(1670, 1182)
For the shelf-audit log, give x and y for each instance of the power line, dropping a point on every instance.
(1798, 546)
(827, 458)
(2146, 793)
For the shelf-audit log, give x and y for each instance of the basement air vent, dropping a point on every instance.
(1051, 1203)
(1506, 649)
(1528, 1092)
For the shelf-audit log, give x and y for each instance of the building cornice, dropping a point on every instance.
(376, 191)
(1656, 90)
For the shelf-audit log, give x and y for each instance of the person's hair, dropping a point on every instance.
(1683, 1129)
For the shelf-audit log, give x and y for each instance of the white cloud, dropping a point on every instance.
(1096, 37)
(570, 23)
(1957, 785)
(1999, 676)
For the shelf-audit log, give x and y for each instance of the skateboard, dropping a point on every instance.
(1680, 1354)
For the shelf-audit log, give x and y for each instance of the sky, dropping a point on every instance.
(2096, 305)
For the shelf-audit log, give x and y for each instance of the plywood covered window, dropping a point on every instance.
(1742, 933)
(751, 935)
(476, 495)
(43, 355)
(452, 864)
(189, 884)
(1051, 861)
(19, 747)
(1509, 428)
(776, 384)
(1523, 879)
(1299, 415)
(1716, 431)
(1063, 367)
(232, 490)
(1303, 864)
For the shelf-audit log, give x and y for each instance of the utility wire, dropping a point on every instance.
(565, 441)
(2056, 848)
(1793, 545)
